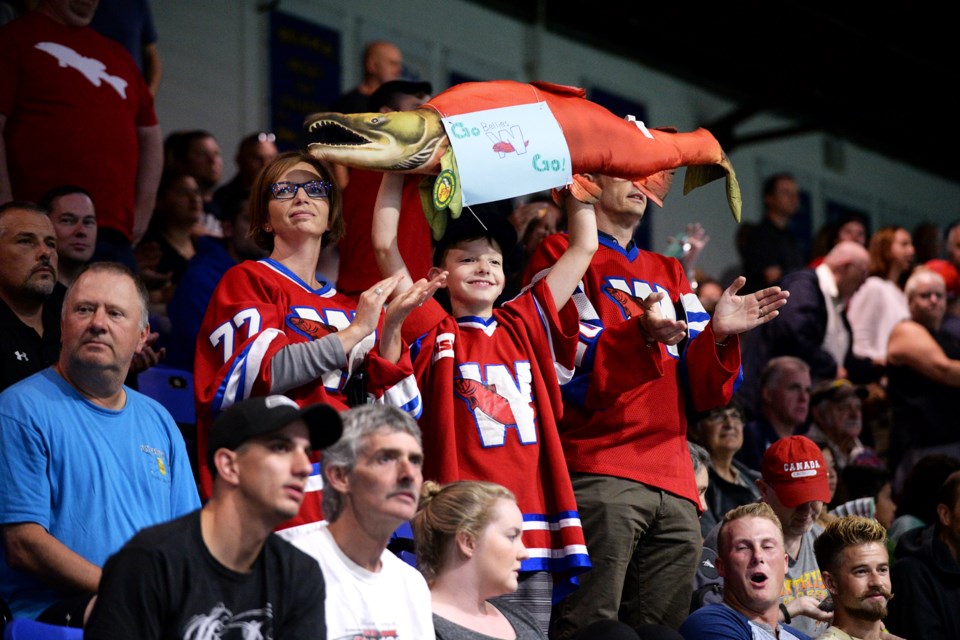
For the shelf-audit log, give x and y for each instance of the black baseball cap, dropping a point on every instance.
(264, 415)
(470, 227)
(383, 96)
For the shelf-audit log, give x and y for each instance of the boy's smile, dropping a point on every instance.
(476, 278)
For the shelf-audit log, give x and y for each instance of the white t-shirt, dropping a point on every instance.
(391, 603)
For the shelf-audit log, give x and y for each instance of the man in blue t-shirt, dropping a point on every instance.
(85, 462)
(753, 561)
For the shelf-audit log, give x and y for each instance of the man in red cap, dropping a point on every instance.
(794, 483)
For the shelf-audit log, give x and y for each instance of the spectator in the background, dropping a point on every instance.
(926, 573)
(192, 295)
(30, 296)
(104, 128)
(879, 304)
(731, 483)
(130, 23)
(928, 241)
(75, 222)
(770, 250)
(784, 404)
(951, 278)
(813, 326)
(197, 154)
(382, 62)
(533, 221)
(163, 253)
(253, 154)
(836, 409)
(356, 268)
(709, 291)
(924, 373)
(849, 227)
(917, 500)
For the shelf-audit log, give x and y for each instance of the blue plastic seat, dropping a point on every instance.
(25, 629)
(173, 388)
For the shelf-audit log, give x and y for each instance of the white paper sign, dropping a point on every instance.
(508, 152)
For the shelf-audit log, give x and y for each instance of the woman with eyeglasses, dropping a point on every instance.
(277, 326)
(924, 376)
(732, 483)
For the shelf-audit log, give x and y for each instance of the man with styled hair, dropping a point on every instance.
(372, 478)
(753, 562)
(852, 555)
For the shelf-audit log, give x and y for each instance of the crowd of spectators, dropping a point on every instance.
(591, 417)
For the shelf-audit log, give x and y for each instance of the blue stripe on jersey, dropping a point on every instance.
(325, 289)
(608, 241)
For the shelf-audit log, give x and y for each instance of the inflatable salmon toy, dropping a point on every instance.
(598, 140)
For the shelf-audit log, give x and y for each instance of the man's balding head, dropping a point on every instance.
(849, 261)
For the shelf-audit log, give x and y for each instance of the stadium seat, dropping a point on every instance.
(25, 629)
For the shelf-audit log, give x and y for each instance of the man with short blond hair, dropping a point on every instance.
(753, 563)
(794, 484)
(852, 555)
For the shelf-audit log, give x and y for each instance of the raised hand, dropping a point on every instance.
(736, 314)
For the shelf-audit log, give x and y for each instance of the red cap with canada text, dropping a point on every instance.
(795, 468)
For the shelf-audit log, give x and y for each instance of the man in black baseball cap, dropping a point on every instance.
(221, 566)
(260, 417)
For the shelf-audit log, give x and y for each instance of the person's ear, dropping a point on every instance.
(433, 273)
(828, 582)
(718, 562)
(225, 461)
(466, 544)
(763, 487)
(338, 478)
(943, 513)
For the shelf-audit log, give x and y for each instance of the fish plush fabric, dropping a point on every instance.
(599, 142)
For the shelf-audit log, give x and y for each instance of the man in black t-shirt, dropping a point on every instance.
(220, 572)
(30, 298)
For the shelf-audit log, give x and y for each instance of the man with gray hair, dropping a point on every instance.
(372, 479)
(85, 462)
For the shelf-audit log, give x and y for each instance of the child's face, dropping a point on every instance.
(475, 277)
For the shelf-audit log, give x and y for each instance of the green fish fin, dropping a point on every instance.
(448, 162)
(701, 174)
(436, 218)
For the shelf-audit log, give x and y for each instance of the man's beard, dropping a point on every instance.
(869, 610)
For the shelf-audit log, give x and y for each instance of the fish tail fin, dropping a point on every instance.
(584, 190)
(656, 186)
(701, 174)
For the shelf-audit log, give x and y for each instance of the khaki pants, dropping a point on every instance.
(644, 545)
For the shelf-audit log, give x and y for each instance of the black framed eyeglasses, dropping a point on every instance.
(288, 190)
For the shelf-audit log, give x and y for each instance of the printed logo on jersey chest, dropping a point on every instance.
(628, 296)
(499, 401)
(313, 324)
